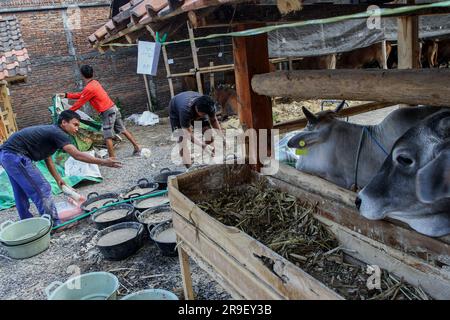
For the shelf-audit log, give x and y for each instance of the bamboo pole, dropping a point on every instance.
(147, 89)
(211, 76)
(195, 58)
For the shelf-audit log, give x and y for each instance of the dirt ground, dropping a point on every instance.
(74, 250)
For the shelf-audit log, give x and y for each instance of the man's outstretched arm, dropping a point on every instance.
(83, 157)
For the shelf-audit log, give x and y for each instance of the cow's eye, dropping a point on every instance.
(405, 161)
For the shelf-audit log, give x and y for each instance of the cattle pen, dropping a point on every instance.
(241, 264)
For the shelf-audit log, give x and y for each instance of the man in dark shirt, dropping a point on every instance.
(39, 143)
(190, 106)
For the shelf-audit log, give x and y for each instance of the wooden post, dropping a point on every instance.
(166, 62)
(198, 76)
(186, 274)
(290, 63)
(211, 76)
(408, 41)
(251, 57)
(383, 50)
(149, 97)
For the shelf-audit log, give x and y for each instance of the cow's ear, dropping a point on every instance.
(310, 116)
(339, 107)
(433, 180)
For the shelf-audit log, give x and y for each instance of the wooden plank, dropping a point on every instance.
(423, 86)
(291, 125)
(432, 280)
(210, 270)
(238, 276)
(185, 274)
(283, 276)
(337, 204)
(251, 57)
(198, 76)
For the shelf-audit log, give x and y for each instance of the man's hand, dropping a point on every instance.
(210, 149)
(112, 163)
(62, 95)
(61, 183)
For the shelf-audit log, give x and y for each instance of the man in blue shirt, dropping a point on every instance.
(39, 143)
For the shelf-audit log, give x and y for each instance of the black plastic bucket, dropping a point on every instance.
(167, 248)
(163, 176)
(99, 199)
(124, 249)
(104, 224)
(149, 226)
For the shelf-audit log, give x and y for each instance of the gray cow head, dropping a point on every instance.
(393, 191)
(317, 129)
(320, 145)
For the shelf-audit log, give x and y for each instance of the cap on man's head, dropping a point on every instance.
(205, 104)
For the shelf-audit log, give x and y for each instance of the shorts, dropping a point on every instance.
(112, 122)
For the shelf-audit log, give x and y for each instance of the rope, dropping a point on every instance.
(358, 152)
(154, 194)
(376, 141)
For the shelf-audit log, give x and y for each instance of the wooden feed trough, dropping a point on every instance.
(236, 260)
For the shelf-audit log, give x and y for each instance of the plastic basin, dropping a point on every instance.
(126, 248)
(29, 249)
(129, 216)
(88, 286)
(151, 294)
(167, 248)
(24, 231)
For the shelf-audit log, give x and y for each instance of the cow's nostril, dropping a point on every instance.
(358, 202)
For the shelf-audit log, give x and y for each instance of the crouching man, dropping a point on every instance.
(39, 143)
(184, 109)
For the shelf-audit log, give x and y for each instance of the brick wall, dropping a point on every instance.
(57, 52)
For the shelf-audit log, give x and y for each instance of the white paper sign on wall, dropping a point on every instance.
(148, 57)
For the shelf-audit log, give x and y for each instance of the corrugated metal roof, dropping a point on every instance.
(14, 59)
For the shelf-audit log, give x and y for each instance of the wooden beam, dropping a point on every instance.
(198, 76)
(147, 90)
(408, 42)
(298, 124)
(424, 86)
(211, 76)
(251, 57)
(384, 52)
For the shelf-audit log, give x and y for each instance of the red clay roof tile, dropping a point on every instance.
(14, 59)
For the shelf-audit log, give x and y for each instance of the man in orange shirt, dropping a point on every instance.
(112, 121)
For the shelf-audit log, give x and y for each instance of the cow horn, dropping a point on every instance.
(339, 107)
(309, 116)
